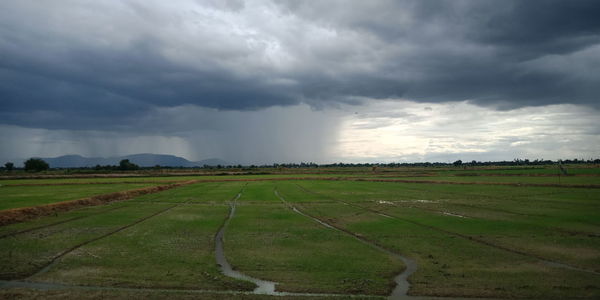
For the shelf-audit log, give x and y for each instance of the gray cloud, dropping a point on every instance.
(111, 65)
(277, 134)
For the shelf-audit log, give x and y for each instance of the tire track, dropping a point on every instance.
(463, 236)
(402, 284)
(53, 261)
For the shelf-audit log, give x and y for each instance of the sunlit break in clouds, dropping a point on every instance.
(257, 82)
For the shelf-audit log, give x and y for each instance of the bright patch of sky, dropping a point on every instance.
(409, 131)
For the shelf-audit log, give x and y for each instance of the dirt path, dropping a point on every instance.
(402, 284)
(463, 236)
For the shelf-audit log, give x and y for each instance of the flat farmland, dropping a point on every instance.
(308, 236)
(26, 196)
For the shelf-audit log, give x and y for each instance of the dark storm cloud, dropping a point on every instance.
(82, 65)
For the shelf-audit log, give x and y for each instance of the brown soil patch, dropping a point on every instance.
(21, 214)
(84, 183)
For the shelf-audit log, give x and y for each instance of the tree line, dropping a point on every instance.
(38, 164)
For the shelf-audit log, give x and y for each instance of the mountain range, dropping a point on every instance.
(142, 160)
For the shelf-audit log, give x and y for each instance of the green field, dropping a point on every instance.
(26, 196)
(312, 238)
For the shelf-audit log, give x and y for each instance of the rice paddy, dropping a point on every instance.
(312, 236)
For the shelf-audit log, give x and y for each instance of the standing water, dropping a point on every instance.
(263, 286)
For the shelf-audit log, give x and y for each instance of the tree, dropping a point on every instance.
(127, 165)
(9, 166)
(36, 164)
(457, 163)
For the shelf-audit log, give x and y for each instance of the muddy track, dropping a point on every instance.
(463, 236)
(402, 284)
(15, 215)
(47, 266)
(59, 222)
(263, 286)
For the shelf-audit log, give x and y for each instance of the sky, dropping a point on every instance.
(257, 82)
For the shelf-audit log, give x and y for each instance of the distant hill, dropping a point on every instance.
(150, 160)
(142, 160)
(212, 162)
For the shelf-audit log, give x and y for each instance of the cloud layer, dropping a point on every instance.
(101, 65)
(264, 81)
(277, 134)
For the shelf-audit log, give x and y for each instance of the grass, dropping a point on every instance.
(26, 196)
(177, 246)
(81, 213)
(166, 179)
(579, 180)
(468, 240)
(267, 240)
(590, 169)
(23, 293)
(460, 267)
(24, 254)
(171, 250)
(107, 180)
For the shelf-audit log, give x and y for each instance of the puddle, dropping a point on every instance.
(385, 202)
(453, 215)
(421, 201)
(384, 215)
(263, 286)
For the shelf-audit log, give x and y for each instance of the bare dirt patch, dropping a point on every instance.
(16, 215)
(88, 183)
